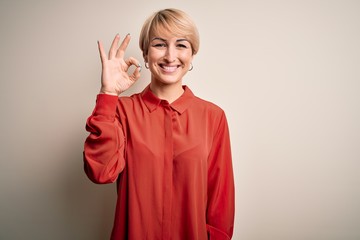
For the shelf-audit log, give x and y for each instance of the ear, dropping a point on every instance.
(145, 57)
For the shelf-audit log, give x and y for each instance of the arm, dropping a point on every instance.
(221, 193)
(104, 147)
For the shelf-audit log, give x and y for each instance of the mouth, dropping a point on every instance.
(168, 68)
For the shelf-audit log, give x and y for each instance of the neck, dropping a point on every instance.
(168, 92)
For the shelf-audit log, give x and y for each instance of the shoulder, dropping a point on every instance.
(129, 105)
(208, 111)
(210, 115)
(199, 102)
(129, 100)
(209, 106)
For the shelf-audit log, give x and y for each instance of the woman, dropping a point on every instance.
(168, 150)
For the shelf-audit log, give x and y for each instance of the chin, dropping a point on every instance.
(170, 81)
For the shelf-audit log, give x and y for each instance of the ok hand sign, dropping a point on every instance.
(115, 78)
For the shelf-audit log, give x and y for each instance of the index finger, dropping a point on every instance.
(102, 52)
(121, 51)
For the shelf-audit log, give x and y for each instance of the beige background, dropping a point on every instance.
(287, 73)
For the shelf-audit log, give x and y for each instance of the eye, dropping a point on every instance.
(159, 45)
(182, 46)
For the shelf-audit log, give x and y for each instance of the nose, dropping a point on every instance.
(170, 54)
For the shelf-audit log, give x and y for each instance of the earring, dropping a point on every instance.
(191, 68)
(146, 65)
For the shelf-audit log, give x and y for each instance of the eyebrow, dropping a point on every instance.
(164, 40)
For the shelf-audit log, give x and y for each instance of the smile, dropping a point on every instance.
(169, 69)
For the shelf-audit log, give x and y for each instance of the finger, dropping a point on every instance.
(132, 61)
(121, 51)
(136, 73)
(114, 45)
(101, 52)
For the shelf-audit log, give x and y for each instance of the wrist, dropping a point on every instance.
(108, 92)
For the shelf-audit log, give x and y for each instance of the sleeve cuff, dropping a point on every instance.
(106, 105)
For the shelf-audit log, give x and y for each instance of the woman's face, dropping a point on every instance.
(169, 58)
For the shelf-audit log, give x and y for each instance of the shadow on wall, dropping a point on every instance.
(88, 207)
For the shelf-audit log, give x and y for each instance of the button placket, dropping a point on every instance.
(168, 170)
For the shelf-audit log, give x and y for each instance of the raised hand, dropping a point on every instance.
(115, 78)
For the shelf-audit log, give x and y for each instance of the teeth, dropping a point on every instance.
(169, 68)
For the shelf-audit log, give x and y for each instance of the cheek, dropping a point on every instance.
(187, 58)
(154, 58)
(151, 56)
(154, 53)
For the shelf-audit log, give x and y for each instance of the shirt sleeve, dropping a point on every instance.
(104, 147)
(221, 190)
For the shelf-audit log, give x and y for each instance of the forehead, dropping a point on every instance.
(164, 33)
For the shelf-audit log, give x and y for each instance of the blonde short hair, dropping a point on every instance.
(172, 20)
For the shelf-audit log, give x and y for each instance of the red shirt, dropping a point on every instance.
(172, 164)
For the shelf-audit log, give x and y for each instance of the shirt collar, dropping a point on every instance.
(180, 105)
